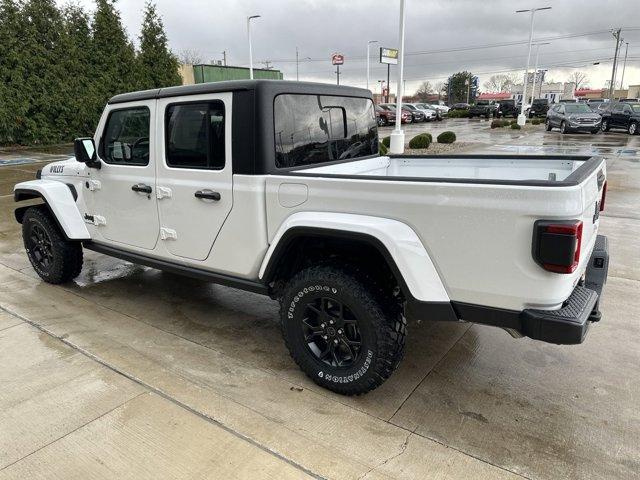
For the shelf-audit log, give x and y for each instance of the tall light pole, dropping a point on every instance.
(368, 59)
(249, 38)
(624, 64)
(612, 86)
(521, 118)
(535, 70)
(397, 137)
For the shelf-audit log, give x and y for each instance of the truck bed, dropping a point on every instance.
(474, 214)
(494, 169)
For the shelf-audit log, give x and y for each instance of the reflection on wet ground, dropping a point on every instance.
(180, 357)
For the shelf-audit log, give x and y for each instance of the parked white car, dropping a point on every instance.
(246, 184)
(429, 114)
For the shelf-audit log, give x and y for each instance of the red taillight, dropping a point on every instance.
(557, 245)
(604, 196)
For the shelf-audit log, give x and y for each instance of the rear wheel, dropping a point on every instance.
(547, 125)
(605, 125)
(633, 128)
(54, 259)
(343, 336)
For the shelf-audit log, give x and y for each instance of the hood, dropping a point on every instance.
(67, 168)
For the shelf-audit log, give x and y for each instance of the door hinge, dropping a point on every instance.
(96, 220)
(168, 234)
(94, 185)
(163, 192)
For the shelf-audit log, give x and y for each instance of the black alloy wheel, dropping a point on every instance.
(331, 332)
(40, 245)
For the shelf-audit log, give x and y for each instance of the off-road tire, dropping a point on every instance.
(605, 126)
(380, 320)
(66, 261)
(633, 128)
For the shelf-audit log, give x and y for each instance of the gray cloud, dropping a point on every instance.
(319, 28)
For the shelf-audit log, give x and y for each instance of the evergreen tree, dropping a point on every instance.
(79, 87)
(114, 64)
(13, 101)
(158, 66)
(43, 71)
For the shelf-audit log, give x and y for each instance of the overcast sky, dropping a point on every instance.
(321, 27)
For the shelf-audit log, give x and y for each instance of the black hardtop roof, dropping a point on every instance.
(272, 87)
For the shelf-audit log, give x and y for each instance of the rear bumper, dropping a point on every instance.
(569, 324)
(565, 326)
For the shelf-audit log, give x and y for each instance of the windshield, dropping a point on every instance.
(636, 107)
(483, 102)
(577, 108)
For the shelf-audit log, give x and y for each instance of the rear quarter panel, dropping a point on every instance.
(479, 236)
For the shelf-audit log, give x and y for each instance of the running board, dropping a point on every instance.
(198, 273)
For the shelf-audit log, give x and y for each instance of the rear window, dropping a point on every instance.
(311, 129)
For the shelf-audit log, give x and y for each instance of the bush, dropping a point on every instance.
(458, 114)
(497, 123)
(421, 141)
(536, 121)
(386, 141)
(514, 122)
(382, 149)
(515, 126)
(447, 137)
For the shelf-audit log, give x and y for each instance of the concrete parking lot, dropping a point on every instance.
(129, 372)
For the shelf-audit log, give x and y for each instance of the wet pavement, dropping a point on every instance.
(129, 372)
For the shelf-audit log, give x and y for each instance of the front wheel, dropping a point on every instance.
(55, 259)
(563, 127)
(344, 337)
(547, 125)
(604, 126)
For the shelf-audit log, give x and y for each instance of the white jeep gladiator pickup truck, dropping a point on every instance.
(278, 188)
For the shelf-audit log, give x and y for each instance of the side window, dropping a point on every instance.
(617, 108)
(194, 135)
(126, 137)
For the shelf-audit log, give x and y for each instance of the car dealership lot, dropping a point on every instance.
(133, 373)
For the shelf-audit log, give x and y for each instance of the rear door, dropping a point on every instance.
(120, 195)
(617, 115)
(194, 186)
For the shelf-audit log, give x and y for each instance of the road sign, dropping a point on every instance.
(337, 59)
(388, 55)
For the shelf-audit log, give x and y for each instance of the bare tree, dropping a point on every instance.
(424, 90)
(190, 56)
(579, 78)
(440, 88)
(500, 82)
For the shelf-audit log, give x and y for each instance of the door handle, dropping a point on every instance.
(207, 194)
(141, 187)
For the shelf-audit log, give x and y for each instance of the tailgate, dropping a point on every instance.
(593, 189)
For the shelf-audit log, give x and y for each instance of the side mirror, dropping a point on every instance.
(85, 152)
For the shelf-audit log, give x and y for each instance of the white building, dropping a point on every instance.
(554, 92)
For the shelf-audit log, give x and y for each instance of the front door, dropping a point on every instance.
(120, 195)
(194, 172)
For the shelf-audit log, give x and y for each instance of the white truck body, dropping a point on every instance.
(456, 230)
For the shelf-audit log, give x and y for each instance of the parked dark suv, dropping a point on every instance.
(507, 108)
(483, 108)
(622, 115)
(572, 117)
(539, 107)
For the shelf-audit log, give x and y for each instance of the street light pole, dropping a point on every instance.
(249, 39)
(368, 60)
(612, 86)
(397, 137)
(521, 118)
(297, 72)
(535, 70)
(624, 64)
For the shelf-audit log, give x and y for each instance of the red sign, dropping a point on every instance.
(337, 59)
